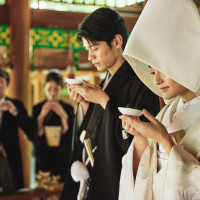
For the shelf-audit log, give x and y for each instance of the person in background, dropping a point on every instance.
(163, 161)
(52, 152)
(13, 115)
(104, 36)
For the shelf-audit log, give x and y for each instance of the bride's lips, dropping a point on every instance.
(164, 89)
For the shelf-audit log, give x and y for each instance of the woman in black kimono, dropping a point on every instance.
(50, 153)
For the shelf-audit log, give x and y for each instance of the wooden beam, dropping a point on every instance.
(66, 20)
(56, 19)
(4, 15)
(19, 86)
(19, 49)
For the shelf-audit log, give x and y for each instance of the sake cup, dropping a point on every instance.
(130, 111)
(72, 81)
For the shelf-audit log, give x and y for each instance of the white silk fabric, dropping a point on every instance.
(178, 179)
(167, 38)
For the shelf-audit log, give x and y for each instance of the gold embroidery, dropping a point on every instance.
(177, 136)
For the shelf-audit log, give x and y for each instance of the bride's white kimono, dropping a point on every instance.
(167, 38)
(179, 177)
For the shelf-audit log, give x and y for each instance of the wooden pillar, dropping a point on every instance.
(19, 87)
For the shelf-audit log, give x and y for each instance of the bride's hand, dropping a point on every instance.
(128, 124)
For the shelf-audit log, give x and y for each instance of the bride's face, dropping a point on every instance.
(169, 87)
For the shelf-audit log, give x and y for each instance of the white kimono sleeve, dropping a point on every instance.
(139, 190)
(182, 180)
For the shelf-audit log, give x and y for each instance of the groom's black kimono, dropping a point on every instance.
(104, 128)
